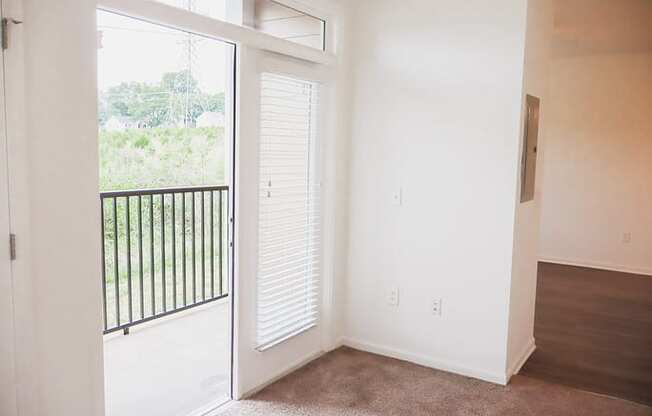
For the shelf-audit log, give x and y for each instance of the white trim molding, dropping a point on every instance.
(279, 375)
(644, 271)
(525, 354)
(425, 361)
(171, 16)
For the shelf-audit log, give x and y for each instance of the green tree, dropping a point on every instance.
(176, 99)
(139, 103)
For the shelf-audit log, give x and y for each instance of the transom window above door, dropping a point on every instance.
(268, 16)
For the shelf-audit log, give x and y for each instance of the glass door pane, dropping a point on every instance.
(164, 99)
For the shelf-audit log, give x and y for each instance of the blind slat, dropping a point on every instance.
(279, 246)
(272, 316)
(299, 328)
(271, 260)
(291, 278)
(287, 296)
(272, 331)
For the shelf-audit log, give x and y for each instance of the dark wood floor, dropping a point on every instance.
(593, 331)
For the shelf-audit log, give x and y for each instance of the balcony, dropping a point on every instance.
(165, 293)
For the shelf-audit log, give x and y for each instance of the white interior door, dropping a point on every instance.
(7, 359)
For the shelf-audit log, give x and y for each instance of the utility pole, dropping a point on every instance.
(190, 5)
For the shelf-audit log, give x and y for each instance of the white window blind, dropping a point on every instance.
(289, 247)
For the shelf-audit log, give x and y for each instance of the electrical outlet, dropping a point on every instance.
(392, 297)
(627, 238)
(436, 307)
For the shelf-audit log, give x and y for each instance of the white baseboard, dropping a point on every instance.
(221, 409)
(522, 358)
(212, 409)
(495, 378)
(284, 372)
(596, 265)
(339, 343)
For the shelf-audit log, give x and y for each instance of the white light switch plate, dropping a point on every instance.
(392, 297)
(436, 307)
(397, 197)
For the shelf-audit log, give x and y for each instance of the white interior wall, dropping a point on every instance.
(526, 226)
(342, 155)
(436, 114)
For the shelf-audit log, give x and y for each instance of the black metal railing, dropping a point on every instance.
(163, 251)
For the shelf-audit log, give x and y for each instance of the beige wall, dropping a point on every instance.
(598, 166)
(598, 173)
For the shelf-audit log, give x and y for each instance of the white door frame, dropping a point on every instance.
(14, 197)
(254, 370)
(177, 18)
(324, 76)
(8, 393)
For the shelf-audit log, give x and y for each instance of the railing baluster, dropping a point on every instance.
(163, 279)
(194, 252)
(220, 246)
(151, 254)
(106, 324)
(203, 248)
(140, 256)
(229, 223)
(174, 252)
(212, 202)
(116, 275)
(128, 233)
(185, 261)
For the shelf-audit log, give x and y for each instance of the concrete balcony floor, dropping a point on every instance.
(174, 366)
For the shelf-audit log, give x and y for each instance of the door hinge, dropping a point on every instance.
(12, 246)
(4, 31)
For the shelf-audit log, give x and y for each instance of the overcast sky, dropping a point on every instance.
(133, 50)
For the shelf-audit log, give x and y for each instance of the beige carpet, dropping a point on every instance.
(350, 382)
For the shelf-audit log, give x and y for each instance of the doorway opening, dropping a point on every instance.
(165, 117)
